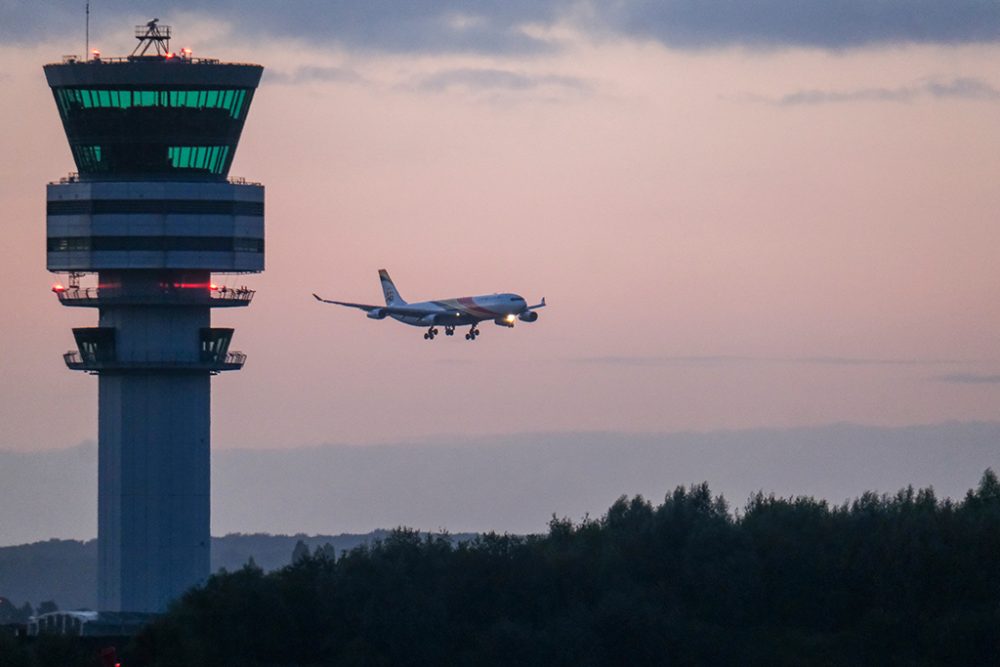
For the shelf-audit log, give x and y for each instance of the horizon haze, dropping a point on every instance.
(513, 483)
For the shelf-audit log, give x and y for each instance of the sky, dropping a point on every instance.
(775, 214)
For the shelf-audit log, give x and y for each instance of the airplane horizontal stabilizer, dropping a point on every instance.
(538, 305)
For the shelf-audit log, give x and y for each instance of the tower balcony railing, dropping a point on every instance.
(96, 297)
(74, 177)
(231, 361)
(118, 60)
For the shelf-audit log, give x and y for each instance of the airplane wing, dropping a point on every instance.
(362, 306)
(537, 305)
(414, 311)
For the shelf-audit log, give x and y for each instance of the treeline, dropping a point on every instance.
(904, 579)
(10, 613)
(66, 570)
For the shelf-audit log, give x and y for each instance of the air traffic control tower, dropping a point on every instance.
(153, 214)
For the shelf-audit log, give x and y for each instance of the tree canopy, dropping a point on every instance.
(885, 579)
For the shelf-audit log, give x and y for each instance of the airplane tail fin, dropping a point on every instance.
(392, 297)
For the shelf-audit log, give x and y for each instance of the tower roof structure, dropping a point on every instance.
(163, 116)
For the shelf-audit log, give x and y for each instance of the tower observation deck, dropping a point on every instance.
(152, 213)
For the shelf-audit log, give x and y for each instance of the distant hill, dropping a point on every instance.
(511, 483)
(66, 570)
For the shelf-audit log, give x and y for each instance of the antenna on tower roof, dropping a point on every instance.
(152, 35)
(86, 50)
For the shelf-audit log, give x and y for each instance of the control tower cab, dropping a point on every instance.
(152, 213)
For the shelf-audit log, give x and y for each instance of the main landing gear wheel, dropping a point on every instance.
(472, 334)
(430, 334)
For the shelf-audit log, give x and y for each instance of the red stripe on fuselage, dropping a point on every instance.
(473, 308)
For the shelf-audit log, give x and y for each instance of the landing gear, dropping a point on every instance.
(449, 331)
(473, 332)
(431, 332)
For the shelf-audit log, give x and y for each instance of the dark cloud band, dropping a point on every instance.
(962, 88)
(481, 26)
(830, 24)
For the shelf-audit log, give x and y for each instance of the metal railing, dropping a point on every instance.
(235, 358)
(232, 361)
(240, 180)
(116, 60)
(95, 296)
(74, 177)
(152, 30)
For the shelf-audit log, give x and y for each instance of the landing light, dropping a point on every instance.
(510, 318)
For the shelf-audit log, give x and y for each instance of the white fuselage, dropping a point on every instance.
(461, 311)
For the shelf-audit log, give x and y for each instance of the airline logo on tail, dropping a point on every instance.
(392, 297)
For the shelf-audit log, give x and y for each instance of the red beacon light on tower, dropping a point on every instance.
(58, 288)
(95, 55)
(185, 54)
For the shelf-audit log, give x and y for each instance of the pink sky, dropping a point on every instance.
(712, 257)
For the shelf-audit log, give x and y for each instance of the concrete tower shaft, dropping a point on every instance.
(153, 214)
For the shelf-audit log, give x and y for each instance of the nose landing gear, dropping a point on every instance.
(449, 331)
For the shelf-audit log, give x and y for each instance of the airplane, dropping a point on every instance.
(503, 309)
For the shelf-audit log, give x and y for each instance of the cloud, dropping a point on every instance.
(806, 23)
(415, 26)
(968, 378)
(482, 26)
(963, 88)
(495, 79)
(863, 361)
(314, 75)
(723, 360)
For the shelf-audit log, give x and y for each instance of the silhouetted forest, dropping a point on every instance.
(903, 579)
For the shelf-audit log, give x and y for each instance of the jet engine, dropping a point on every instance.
(378, 313)
(528, 316)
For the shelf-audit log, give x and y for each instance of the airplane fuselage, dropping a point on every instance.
(462, 311)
